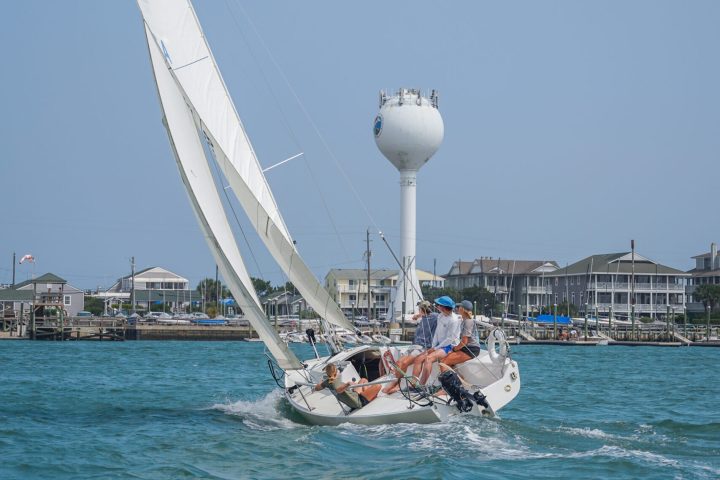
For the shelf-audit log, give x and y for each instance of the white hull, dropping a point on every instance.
(499, 381)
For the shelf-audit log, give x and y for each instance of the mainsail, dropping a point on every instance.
(207, 205)
(178, 35)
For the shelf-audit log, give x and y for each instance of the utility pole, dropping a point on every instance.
(14, 269)
(132, 285)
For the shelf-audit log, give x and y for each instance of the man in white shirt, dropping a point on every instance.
(447, 335)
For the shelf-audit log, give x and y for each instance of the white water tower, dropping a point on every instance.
(408, 131)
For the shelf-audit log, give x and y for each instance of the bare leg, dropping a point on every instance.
(433, 357)
(370, 392)
(453, 358)
(403, 363)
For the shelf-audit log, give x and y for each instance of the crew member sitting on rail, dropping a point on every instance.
(447, 335)
(352, 397)
(469, 347)
(427, 323)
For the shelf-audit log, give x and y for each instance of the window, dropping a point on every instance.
(572, 280)
(67, 300)
(353, 298)
(351, 282)
(556, 282)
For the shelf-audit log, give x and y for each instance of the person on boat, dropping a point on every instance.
(354, 398)
(469, 347)
(447, 335)
(426, 326)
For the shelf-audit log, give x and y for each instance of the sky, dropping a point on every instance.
(570, 129)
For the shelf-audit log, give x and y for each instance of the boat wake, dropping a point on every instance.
(264, 414)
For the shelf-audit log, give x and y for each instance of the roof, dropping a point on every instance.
(614, 263)
(167, 295)
(509, 266)
(14, 295)
(704, 273)
(163, 273)
(45, 278)
(353, 273)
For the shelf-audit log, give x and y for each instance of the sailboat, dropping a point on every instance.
(203, 126)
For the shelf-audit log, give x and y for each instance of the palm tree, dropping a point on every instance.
(709, 295)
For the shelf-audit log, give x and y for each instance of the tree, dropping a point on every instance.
(94, 305)
(709, 295)
(480, 296)
(262, 287)
(288, 287)
(208, 288)
(562, 309)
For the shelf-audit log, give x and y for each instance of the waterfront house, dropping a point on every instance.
(706, 271)
(154, 285)
(520, 285)
(47, 290)
(349, 288)
(600, 284)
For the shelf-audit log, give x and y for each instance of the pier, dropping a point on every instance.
(118, 329)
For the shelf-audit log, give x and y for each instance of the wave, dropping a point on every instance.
(264, 414)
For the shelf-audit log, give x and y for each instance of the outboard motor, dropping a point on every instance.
(310, 335)
(311, 338)
(463, 399)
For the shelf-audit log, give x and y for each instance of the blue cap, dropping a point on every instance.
(445, 301)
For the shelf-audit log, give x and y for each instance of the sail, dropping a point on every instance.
(207, 205)
(178, 35)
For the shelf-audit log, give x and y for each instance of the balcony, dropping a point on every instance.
(639, 307)
(639, 287)
(546, 290)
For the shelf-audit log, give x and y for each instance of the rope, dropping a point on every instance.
(291, 132)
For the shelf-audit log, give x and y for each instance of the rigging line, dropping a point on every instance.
(232, 209)
(310, 120)
(403, 270)
(191, 63)
(284, 161)
(282, 112)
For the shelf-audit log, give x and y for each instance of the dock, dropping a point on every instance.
(118, 329)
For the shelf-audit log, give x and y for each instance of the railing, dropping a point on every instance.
(625, 286)
(654, 332)
(547, 290)
(639, 307)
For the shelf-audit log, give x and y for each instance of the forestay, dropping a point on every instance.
(179, 119)
(180, 38)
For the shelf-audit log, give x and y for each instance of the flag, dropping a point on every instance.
(28, 257)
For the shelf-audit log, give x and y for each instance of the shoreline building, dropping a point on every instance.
(153, 285)
(706, 272)
(47, 290)
(520, 285)
(602, 285)
(349, 288)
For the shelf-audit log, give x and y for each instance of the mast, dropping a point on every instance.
(193, 164)
(632, 288)
(189, 61)
(367, 256)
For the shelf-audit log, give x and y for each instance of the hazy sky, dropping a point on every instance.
(570, 128)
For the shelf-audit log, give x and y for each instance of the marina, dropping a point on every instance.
(118, 329)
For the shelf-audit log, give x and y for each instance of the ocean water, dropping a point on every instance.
(173, 410)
